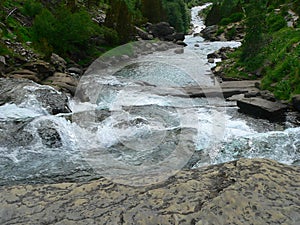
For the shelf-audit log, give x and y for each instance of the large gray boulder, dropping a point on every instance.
(26, 92)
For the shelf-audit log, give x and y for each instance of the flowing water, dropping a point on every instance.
(131, 131)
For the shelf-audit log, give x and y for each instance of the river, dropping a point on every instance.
(132, 133)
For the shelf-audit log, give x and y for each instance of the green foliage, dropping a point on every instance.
(224, 12)
(177, 14)
(31, 8)
(254, 40)
(153, 10)
(65, 32)
(275, 22)
(120, 18)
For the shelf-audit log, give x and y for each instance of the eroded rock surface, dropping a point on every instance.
(247, 191)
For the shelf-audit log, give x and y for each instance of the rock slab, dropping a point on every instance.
(247, 191)
(262, 108)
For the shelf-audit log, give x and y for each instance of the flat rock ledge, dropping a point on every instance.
(262, 108)
(247, 191)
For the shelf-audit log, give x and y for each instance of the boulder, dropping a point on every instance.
(58, 62)
(175, 37)
(296, 102)
(25, 74)
(49, 135)
(246, 191)
(262, 108)
(63, 81)
(75, 70)
(143, 34)
(209, 33)
(42, 68)
(160, 30)
(21, 91)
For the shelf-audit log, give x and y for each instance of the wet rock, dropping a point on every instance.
(262, 108)
(296, 102)
(15, 135)
(247, 191)
(49, 135)
(21, 91)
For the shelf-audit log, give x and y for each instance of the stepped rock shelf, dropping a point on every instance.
(247, 191)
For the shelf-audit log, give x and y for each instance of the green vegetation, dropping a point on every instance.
(270, 50)
(67, 27)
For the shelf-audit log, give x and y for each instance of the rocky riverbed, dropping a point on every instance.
(247, 191)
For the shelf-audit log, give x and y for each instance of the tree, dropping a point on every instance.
(153, 10)
(120, 19)
(254, 40)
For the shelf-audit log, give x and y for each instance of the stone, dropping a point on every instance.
(262, 108)
(75, 70)
(175, 37)
(267, 95)
(209, 33)
(42, 68)
(24, 74)
(252, 94)
(210, 60)
(58, 62)
(160, 30)
(63, 81)
(18, 91)
(296, 102)
(246, 191)
(143, 34)
(181, 43)
(49, 135)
